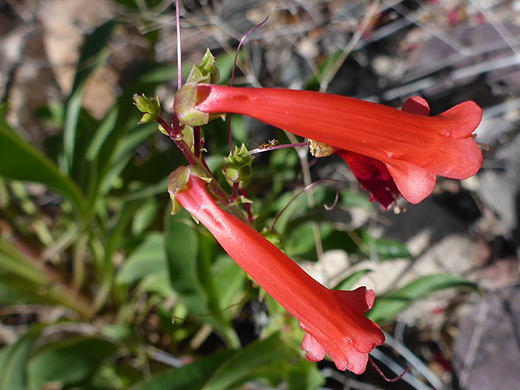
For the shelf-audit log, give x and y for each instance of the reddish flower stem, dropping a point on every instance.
(247, 206)
(233, 75)
(179, 50)
(276, 147)
(328, 208)
(196, 141)
(384, 376)
(175, 133)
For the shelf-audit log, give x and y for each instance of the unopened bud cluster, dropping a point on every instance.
(237, 167)
(151, 107)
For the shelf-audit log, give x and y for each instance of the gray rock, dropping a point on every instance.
(486, 354)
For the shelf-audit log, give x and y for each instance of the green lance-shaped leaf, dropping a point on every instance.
(260, 358)
(21, 161)
(94, 53)
(190, 377)
(389, 305)
(14, 360)
(68, 361)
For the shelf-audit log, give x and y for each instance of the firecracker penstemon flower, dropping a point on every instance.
(333, 320)
(390, 150)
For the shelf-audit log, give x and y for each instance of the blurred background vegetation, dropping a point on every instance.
(100, 288)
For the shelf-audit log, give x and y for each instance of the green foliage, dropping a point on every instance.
(190, 267)
(189, 377)
(147, 266)
(14, 360)
(68, 362)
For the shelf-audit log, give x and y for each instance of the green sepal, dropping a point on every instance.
(151, 107)
(243, 200)
(184, 106)
(162, 130)
(186, 97)
(207, 72)
(178, 180)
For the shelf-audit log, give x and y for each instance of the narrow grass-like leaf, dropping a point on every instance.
(106, 270)
(94, 53)
(21, 161)
(349, 282)
(388, 306)
(17, 273)
(14, 362)
(122, 155)
(363, 244)
(103, 130)
(14, 263)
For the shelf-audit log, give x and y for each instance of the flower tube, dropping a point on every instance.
(333, 320)
(372, 174)
(414, 147)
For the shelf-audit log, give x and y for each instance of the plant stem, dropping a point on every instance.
(174, 132)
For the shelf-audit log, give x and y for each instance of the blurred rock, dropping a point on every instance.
(65, 25)
(487, 349)
(500, 185)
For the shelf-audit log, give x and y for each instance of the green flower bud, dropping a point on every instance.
(273, 236)
(207, 72)
(237, 168)
(150, 108)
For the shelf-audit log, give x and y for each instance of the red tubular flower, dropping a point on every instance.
(333, 320)
(414, 147)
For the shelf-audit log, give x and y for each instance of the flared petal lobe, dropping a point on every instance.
(333, 320)
(416, 148)
(372, 174)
